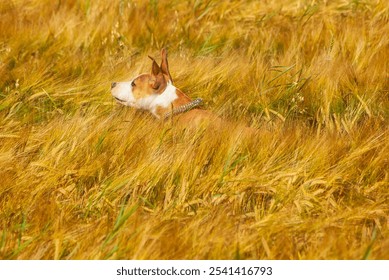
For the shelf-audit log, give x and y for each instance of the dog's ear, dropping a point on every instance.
(155, 69)
(158, 80)
(165, 64)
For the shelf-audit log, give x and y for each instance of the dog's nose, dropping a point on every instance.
(113, 84)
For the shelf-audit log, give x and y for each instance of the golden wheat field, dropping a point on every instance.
(82, 177)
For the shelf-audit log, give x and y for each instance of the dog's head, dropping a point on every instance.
(143, 89)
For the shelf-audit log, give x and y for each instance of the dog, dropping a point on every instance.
(156, 93)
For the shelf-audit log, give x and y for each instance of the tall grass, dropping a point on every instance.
(85, 178)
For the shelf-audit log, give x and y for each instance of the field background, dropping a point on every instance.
(84, 178)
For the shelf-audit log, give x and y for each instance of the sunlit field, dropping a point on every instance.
(82, 177)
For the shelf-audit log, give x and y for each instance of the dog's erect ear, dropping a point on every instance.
(165, 64)
(155, 69)
(158, 80)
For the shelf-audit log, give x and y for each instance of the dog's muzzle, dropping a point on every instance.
(118, 99)
(113, 85)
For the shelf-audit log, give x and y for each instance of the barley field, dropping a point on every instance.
(82, 177)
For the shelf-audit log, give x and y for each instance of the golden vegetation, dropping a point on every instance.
(85, 178)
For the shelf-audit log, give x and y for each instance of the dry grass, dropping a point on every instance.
(84, 178)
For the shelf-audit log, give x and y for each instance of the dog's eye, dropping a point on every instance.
(133, 84)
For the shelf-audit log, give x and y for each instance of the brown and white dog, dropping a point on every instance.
(156, 93)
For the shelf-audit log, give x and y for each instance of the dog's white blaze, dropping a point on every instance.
(123, 92)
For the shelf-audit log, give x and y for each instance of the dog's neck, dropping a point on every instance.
(161, 104)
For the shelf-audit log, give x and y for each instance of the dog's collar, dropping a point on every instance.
(184, 108)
